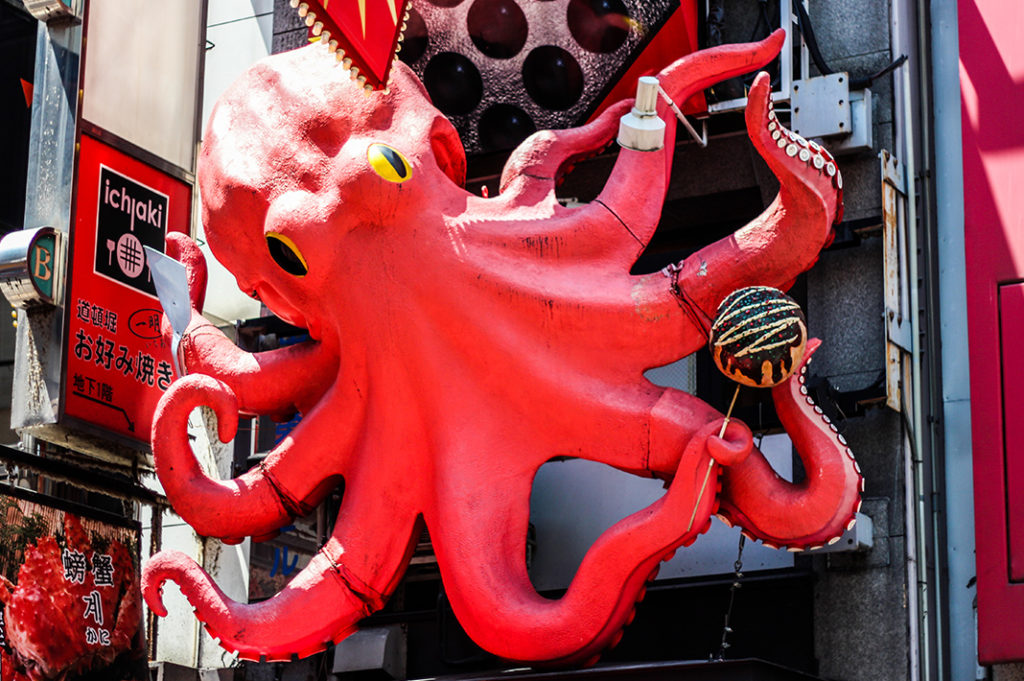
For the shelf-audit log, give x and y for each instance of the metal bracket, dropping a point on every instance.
(821, 106)
(896, 255)
(860, 137)
(824, 106)
(860, 537)
(897, 313)
(701, 139)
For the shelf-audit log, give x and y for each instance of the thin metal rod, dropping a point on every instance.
(725, 423)
(702, 140)
(711, 463)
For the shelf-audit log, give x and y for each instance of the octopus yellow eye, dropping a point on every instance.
(286, 254)
(388, 163)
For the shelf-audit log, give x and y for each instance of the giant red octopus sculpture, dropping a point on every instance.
(458, 343)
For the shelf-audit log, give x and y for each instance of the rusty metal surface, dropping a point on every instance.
(897, 318)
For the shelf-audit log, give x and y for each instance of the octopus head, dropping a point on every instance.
(299, 168)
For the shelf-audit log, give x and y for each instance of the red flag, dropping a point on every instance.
(26, 87)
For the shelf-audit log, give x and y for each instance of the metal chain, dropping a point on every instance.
(737, 572)
(737, 568)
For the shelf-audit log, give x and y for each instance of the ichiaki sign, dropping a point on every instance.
(117, 363)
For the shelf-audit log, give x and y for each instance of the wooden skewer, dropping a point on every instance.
(725, 423)
(711, 464)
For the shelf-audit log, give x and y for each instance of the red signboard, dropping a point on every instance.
(991, 64)
(117, 364)
(70, 605)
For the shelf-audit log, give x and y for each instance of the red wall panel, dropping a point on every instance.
(992, 97)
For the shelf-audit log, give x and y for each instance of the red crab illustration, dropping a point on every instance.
(61, 596)
(460, 342)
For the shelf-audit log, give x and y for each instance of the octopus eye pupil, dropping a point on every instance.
(388, 163)
(395, 160)
(286, 255)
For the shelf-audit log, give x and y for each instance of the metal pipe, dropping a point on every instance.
(952, 294)
(913, 621)
(918, 614)
(917, 450)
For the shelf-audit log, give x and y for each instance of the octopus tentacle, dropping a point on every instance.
(702, 69)
(531, 170)
(301, 372)
(680, 81)
(349, 577)
(611, 578)
(294, 621)
(808, 514)
(186, 251)
(260, 501)
(784, 241)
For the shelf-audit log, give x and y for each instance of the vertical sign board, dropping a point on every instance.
(991, 73)
(117, 363)
(70, 605)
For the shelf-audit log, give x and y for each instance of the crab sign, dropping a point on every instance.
(457, 343)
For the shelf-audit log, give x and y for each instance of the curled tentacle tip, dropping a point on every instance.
(153, 592)
(734, 447)
(776, 37)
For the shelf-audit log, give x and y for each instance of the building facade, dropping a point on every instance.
(915, 99)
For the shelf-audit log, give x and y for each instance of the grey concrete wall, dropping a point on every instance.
(861, 617)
